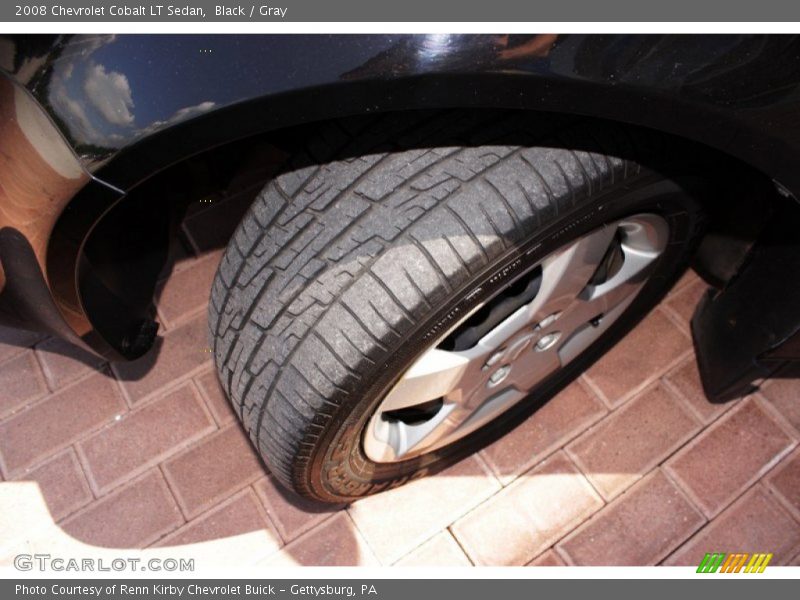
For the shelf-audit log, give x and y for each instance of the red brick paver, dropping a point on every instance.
(784, 394)
(292, 515)
(628, 465)
(35, 433)
(727, 458)
(634, 440)
(399, 520)
(641, 527)
(683, 301)
(684, 380)
(20, 383)
(785, 483)
(754, 523)
(62, 484)
(648, 351)
(131, 517)
(440, 551)
(529, 515)
(63, 362)
(144, 437)
(238, 516)
(556, 423)
(212, 470)
(211, 390)
(336, 542)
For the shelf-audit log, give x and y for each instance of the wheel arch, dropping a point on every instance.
(141, 166)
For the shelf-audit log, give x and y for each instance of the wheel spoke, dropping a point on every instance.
(435, 374)
(566, 274)
(462, 421)
(587, 332)
(394, 440)
(453, 420)
(598, 306)
(640, 252)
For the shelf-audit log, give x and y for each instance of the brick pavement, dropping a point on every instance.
(629, 465)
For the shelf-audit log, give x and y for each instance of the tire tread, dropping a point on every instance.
(322, 250)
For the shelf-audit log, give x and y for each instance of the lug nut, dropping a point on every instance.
(499, 375)
(547, 341)
(548, 320)
(494, 358)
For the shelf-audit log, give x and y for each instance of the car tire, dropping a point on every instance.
(386, 238)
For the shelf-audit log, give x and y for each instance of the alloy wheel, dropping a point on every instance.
(498, 354)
